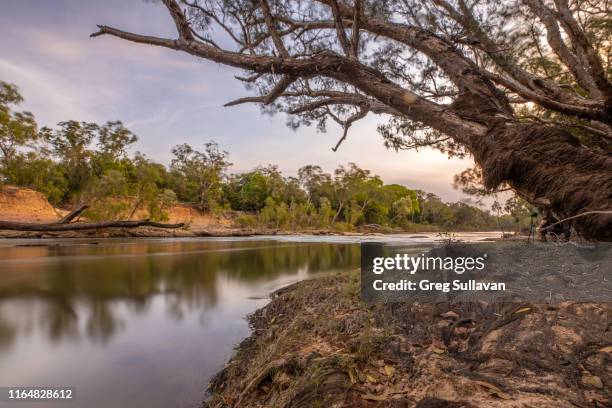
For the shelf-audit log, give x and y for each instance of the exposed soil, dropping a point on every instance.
(316, 344)
(25, 205)
(22, 204)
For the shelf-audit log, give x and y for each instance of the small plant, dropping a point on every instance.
(447, 238)
(246, 221)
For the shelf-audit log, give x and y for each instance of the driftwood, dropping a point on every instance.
(59, 226)
(73, 214)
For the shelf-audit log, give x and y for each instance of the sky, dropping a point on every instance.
(167, 98)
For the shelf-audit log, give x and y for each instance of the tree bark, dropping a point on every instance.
(548, 167)
(54, 227)
(337, 212)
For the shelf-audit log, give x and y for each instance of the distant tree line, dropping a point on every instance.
(80, 162)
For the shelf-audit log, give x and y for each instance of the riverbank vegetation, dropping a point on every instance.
(80, 162)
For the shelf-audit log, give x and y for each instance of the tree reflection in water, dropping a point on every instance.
(69, 290)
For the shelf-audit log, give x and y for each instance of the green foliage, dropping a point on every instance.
(249, 191)
(402, 210)
(38, 173)
(520, 212)
(202, 173)
(325, 212)
(246, 221)
(17, 129)
(87, 162)
(107, 197)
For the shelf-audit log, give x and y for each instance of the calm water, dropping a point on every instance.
(142, 323)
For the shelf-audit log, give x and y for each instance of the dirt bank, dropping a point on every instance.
(317, 345)
(25, 205)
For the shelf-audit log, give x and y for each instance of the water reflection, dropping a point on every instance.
(85, 282)
(141, 322)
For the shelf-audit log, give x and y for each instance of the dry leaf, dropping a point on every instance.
(352, 376)
(371, 379)
(523, 310)
(592, 380)
(389, 370)
(282, 378)
(501, 394)
(450, 314)
(438, 343)
(372, 397)
(488, 386)
(607, 349)
(438, 350)
(494, 390)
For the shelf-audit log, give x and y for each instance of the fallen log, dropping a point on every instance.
(73, 214)
(26, 226)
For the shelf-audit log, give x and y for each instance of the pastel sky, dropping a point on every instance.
(168, 98)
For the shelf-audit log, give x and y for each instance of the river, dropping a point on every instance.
(145, 322)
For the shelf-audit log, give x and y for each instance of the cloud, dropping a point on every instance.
(41, 89)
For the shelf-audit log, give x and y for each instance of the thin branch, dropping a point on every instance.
(347, 124)
(204, 39)
(182, 26)
(423, 144)
(581, 41)
(589, 129)
(355, 39)
(278, 42)
(251, 78)
(214, 17)
(605, 212)
(595, 111)
(568, 58)
(267, 99)
(342, 38)
(279, 88)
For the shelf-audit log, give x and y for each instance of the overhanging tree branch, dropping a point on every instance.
(328, 64)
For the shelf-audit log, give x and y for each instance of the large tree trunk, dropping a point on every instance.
(548, 167)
